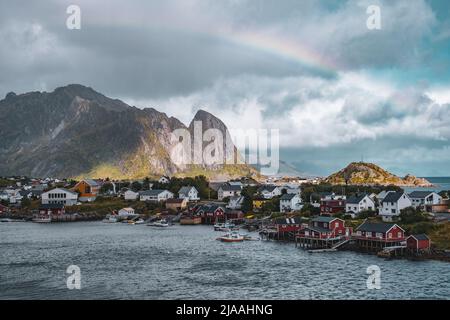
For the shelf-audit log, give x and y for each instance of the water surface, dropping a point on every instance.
(120, 261)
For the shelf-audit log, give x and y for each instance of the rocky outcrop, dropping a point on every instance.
(361, 173)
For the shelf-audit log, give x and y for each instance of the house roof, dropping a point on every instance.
(393, 196)
(421, 236)
(284, 221)
(288, 196)
(268, 188)
(420, 194)
(91, 182)
(318, 229)
(323, 219)
(186, 189)
(63, 190)
(376, 227)
(356, 199)
(152, 192)
(227, 187)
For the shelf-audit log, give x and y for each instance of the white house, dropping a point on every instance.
(235, 202)
(125, 212)
(392, 204)
(155, 195)
(227, 191)
(424, 198)
(189, 193)
(164, 180)
(60, 196)
(290, 202)
(382, 195)
(269, 191)
(130, 195)
(359, 203)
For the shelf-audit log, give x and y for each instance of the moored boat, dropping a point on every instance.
(233, 236)
(227, 226)
(42, 219)
(160, 224)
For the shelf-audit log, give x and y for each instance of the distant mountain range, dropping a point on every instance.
(75, 131)
(362, 173)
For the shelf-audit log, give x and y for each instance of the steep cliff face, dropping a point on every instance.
(76, 131)
(361, 173)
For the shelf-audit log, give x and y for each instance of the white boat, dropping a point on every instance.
(139, 221)
(227, 226)
(160, 223)
(42, 219)
(232, 236)
(110, 219)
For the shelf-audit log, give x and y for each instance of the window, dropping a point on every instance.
(336, 225)
(399, 234)
(390, 235)
(393, 211)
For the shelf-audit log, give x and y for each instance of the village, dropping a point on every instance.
(317, 217)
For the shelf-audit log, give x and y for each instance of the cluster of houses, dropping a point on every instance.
(388, 204)
(331, 233)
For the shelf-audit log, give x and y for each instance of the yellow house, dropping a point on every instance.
(258, 203)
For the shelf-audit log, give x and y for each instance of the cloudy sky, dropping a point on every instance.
(337, 91)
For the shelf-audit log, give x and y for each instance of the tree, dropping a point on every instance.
(136, 186)
(412, 215)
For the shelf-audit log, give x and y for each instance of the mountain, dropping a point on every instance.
(75, 131)
(361, 173)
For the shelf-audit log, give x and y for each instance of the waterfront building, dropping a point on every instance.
(418, 242)
(373, 236)
(61, 196)
(52, 209)
(210, 213)
(125, 212)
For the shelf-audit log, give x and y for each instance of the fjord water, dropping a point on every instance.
(120, 261)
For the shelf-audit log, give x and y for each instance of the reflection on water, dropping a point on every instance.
(186, 262)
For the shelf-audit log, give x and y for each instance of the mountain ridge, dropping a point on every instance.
(75, 131)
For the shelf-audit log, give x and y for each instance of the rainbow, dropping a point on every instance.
(282, 47)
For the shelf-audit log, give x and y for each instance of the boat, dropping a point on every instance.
(250, 238)
(227, 226)
(11, 220)
(160, 223)
(110, 219)
(232, 236)
(42, 219)
(139, 221)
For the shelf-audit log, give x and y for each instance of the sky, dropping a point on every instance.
(336, 90)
